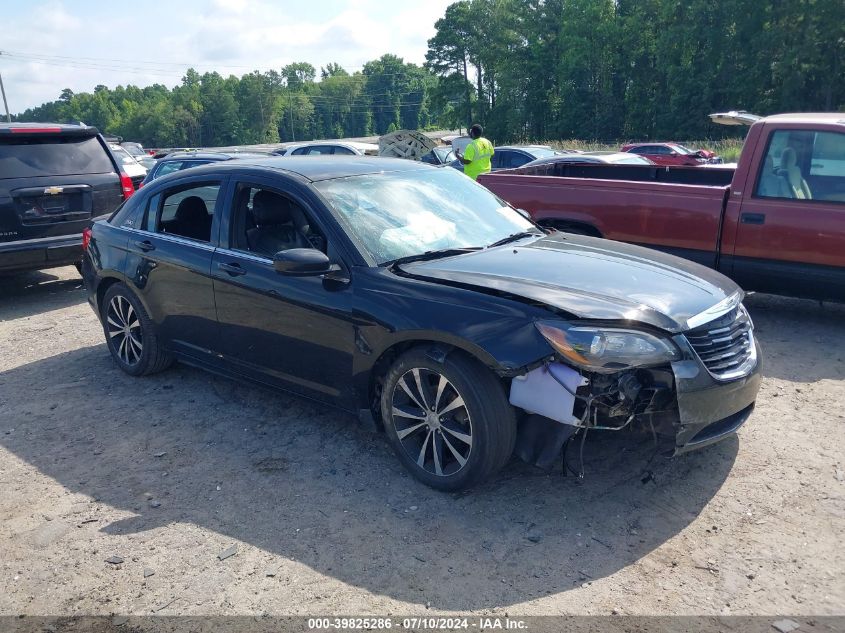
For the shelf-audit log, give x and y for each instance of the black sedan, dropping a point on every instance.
(417, 299)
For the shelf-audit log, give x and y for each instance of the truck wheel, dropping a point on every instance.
(130, 334)
(449, 423)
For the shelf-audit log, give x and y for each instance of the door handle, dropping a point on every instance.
(145, 245)
(233, 269)
(752, 218)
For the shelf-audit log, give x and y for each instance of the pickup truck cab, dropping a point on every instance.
(775, 223)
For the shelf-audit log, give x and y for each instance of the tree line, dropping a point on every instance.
(526, 69)
(260, 107)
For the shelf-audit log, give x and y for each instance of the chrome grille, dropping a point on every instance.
(726, 344)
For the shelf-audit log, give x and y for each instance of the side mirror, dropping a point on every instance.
(303, 262)
(525, 214)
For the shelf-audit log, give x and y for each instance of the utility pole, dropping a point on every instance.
(5, 104)
(290, 114)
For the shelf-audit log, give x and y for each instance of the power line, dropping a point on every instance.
(138, 66)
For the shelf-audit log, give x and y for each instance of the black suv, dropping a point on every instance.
(53, 180)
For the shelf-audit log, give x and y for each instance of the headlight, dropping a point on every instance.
(607, 350)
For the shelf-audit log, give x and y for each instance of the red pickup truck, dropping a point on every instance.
(775, 223)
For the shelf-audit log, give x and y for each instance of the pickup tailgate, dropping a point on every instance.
(681, 219)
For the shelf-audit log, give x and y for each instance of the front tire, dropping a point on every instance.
(130, 333)
(449, 423)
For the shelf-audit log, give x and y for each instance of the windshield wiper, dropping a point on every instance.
(421, 257)
(515, 236)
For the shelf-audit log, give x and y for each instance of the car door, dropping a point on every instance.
(500, 159)
(293, 332)
(169, 263)
(658, 154)
(791, 221)
(518, 159)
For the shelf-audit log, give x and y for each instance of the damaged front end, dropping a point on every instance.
(688, 390)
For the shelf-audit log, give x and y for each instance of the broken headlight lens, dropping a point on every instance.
(607, 350)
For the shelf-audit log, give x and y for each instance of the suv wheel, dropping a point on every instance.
(130, 334)
(450, 423)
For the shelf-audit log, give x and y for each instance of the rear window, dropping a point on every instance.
(52, 156)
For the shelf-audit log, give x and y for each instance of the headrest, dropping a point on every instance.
(269, 209)
(191, 209)
(788, 158)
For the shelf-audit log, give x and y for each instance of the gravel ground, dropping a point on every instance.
(170, 473)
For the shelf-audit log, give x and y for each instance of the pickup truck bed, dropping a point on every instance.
(632, 208)
(775, 224)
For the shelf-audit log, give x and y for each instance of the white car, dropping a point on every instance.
(322, 148)
(128, 165)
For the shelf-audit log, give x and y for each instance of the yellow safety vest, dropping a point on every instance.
(479, 151)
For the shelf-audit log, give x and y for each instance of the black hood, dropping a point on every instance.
(589, 278)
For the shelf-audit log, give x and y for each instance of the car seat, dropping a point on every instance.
(796, 185)
(772, 185)
(274, 229)
(191, 220)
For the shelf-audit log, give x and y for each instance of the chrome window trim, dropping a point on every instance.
(250, 256)
(176, 239)
(714, 312)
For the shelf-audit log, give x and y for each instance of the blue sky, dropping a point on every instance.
(54, 44)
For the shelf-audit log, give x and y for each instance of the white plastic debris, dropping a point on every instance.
(539, 392)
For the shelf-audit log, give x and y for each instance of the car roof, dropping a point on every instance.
(209, 155)
(644, 143)
(353, 144)
(808, 117)
(523, 147)
(584, 157)
(55, 128)
(316, 168)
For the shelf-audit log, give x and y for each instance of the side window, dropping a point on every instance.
(151, 211)
(784, 168)
(186, 211)
(266, 221)
(300, 152)
(192, 163)
(168, 168)
(343, 150)
(518, 159)
(828, 158)
(317, 150)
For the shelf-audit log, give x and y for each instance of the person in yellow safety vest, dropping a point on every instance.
(477, 155)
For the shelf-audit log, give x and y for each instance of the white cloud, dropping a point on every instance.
(230, 36)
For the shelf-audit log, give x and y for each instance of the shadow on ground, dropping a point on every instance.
(305, 482)
(802, 340)
(28, 293)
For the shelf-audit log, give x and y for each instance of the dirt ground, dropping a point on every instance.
(169, 472)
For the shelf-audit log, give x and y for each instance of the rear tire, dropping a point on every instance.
(130, 334)
(449, 423)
